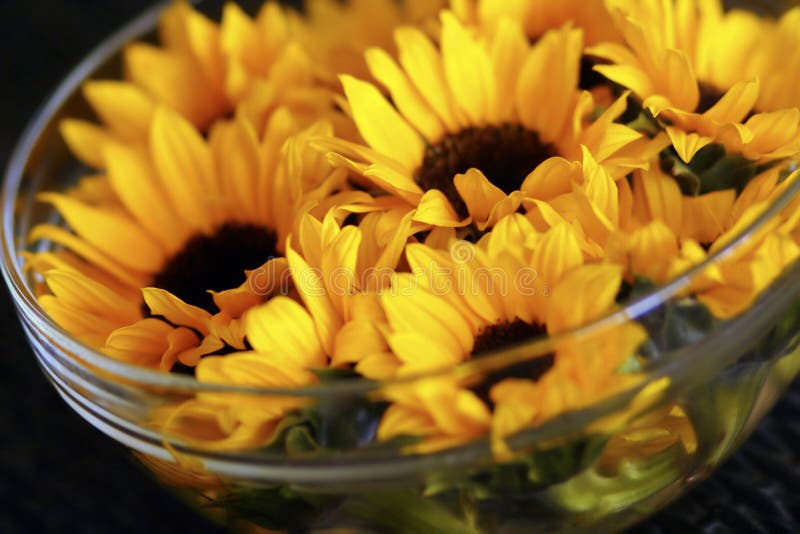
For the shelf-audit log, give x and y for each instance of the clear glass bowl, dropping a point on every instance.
(604, 466)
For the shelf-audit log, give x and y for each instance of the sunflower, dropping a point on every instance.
(267, 66)
(587, 198)
(288, 340)
(338, 272)
(686, 62)
(673, 233)
(229, 421)
(476, 102)
(178, 234)
(336, 34)
(455, 311)
(776, 53)
(439, 411)
(539, 17)
(250, 64)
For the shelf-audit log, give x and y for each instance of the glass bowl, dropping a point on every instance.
(604, 465)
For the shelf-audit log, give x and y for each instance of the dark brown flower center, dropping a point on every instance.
(709, 96)
(216, 262)
(506, 335)
(506, 154)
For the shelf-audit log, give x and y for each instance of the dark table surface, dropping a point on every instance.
(58, 474)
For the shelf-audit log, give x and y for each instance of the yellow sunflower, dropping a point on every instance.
(776, 60)
(231, 422)
(453, 304)
(181, 221)
(476, 101)
(456, 311)
(250, 64)
(337, 272)
(439, 410)
(672, 233)
(688, 62)
(540, 17)
(336, 34)
(289, 340)
(267, 66)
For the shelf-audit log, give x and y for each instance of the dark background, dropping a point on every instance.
(58, 474)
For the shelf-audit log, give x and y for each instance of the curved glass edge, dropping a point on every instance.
(28, 305)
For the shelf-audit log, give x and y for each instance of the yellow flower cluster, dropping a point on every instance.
(396, 189)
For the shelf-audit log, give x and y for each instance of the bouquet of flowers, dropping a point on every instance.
(428, 201)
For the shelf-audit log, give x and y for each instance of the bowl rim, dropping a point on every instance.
(94, 361)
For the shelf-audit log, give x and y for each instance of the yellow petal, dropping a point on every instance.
(419, 353)
(164, 304)
(704, 217)
(479, 194)
(236, 154)
(80, 292)
(681, 87)
(605, 137)
(122, 106)
(396, 182)
(383, 366)
(663, 197)
(381, 125)
(310, 284)
(468, 70)
(629, 76)
(284, 329)
(86, 141)
(687, 144)
(551, 179)
(584, 294)
(600, 188)
(400, 420)
(425, 313)
(134, 181)
(556, 254)
(339, 266)
(405, 96)
(143, 343)
(555, 57)
(191, 356)
(652, 248)
(423, 65)
(111, 232)
(87, 327)
(736, 103)
(185, 166)
(172, 80)
(434, 208)
(509, 49)
(357, 340)
(89, 252)
(774, 133)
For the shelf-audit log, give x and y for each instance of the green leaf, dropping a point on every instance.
(731, 172)
(561, 463)
(783, 338)
(277, 441)
(596, 494)
(673, 325)
(531, 473)
(277, 508)
(404, 512)
(300, 442)
(345, 423)
(720, 409)
(711, 169)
